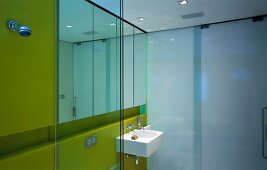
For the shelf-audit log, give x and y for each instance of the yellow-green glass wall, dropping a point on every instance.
(27, 66)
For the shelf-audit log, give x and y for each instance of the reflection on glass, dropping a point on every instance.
(113, 6)
(66, 79)
(83, 80)
(105, 63)
(90, 63)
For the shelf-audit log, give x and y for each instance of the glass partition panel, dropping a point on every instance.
(140, 67)
(95, 77)
(128, 46)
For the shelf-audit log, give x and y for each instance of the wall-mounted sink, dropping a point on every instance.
(146, 144)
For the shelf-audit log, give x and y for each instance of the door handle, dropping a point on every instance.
(74, 108)
(264, 133)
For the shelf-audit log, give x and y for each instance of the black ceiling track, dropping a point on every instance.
(254, 19)
(258, 18)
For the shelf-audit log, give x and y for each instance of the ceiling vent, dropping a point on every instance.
(193, 15)
(90, 33)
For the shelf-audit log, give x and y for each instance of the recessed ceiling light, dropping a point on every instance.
(69, 26)
(141, 18)
(112, 24)
(183, 2)
(172, 39)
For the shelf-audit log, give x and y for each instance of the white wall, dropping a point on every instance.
(233, 74)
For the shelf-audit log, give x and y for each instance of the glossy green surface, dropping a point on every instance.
(36, 158)
(27, 66)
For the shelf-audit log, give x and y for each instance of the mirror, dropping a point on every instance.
(90, 64)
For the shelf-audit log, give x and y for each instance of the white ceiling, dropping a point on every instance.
(166, 14)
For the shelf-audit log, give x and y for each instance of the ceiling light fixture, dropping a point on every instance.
(141, 18)
(183, 2)
(69, 26)
(112, 24)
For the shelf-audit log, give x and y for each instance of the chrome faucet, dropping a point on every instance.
(139, 123)
(129, 127)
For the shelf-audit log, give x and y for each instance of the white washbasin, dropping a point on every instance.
(145, 133)
(146, 144)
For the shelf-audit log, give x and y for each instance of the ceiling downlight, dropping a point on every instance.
(183, 2)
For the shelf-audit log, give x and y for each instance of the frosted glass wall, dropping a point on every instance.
(172, 72)
(206, 89)
(234, 86)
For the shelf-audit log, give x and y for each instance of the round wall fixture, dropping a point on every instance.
(23, 30)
